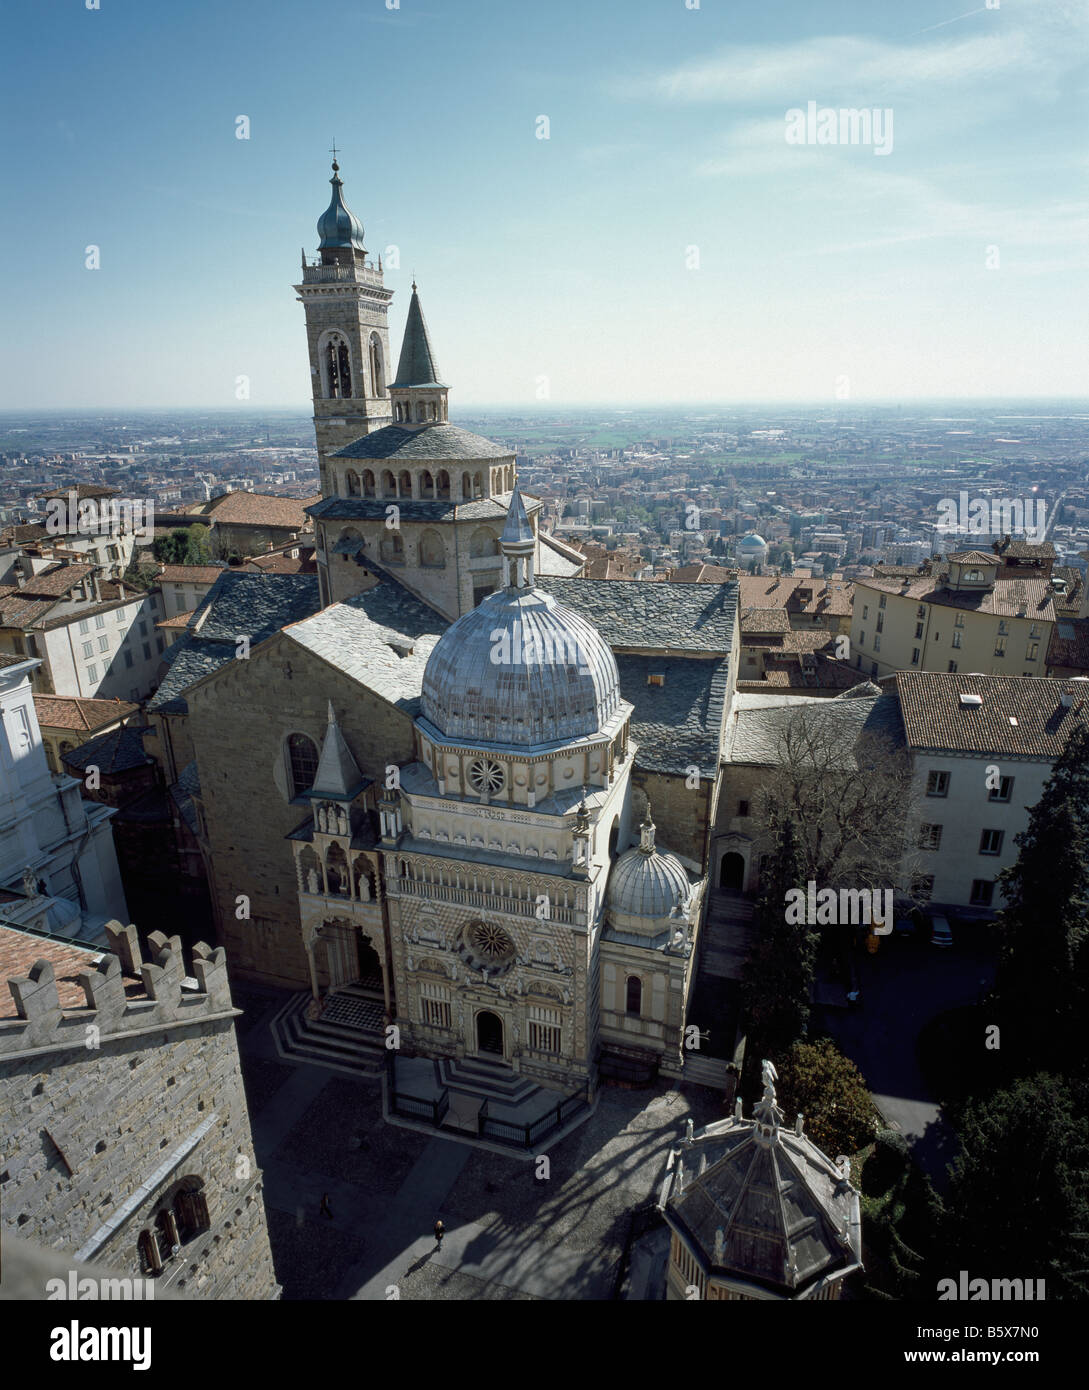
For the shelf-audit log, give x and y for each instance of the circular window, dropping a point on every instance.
(486, 776)
(488, 947)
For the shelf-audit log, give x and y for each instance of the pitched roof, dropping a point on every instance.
(701, 574)
(56, 581)
(1025, 550)
(416, 365)
(517, 529)
(1005, 599)
(260, 509)
(189, 574)
(973, 557)
(677, 724)
(633, 614)
(119, 750)
(787, 591)
(411, 509)
(82, 491)
(935, 718)
(760, 620)
(338, 773)
(1069, 645)
(423, 444)
(79, 713)
(758, 723)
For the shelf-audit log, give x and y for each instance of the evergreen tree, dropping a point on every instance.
(198, 550)
(779, 971)
(1043, 970)
(1018, 1202)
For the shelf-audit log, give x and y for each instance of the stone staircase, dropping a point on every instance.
(348, 1036)
(705, 1071)
(471, 1076)
(727, 933)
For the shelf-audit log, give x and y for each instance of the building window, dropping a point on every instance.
(930, 836)
(100, 620)
(88, 650)
(982, 892)
(990, 841)
(865, 611)
(862, 638)
(544, 1036)
(302, 753)
(143, 627)
(918, 629)
(92, 674)
(956, 638)
(1003, 626)
(742, 808)
(1003, 791)
(150, 1260)
(937, 784)
(1000, 646)
(191, 1211)
(952, 667)
(1032, 651)
(147, 651)
(160, 643)
(128, 657)
(103, 644)
(1035, 632)
(958, 621)
(121, 615)
(633, 1002)
(435, 1005)
(920, 612)
(877, 644)
(881, 622)
(84, 627)
(915, 656)
(873, 669)
(883, 601)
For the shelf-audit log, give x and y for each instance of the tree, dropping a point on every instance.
(1018, 1203)
(199, 548)
(1042, 986)
(778, 974)
(172, 548)
(817, 1081)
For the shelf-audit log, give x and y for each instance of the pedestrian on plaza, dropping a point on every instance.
(440, 1231)
(326, 1210)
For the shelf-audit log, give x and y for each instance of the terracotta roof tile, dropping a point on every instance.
(935, 717)
(80, 713)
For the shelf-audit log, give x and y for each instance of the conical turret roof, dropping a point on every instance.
(417, 365)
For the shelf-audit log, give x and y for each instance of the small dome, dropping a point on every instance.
(520, 668)
(752, 542)
(337, 227)
(645, 882)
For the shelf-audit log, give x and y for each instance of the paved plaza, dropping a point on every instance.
(515, 1229)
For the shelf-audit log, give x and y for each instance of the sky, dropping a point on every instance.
(667, 243)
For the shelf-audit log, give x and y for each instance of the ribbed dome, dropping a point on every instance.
(338, 227)
(520, 668)
(645, 882)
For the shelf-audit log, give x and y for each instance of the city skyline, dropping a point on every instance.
(666, 245)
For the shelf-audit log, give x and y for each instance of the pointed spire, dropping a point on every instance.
(417, 365)
(338, 772)
(646, 833)
(517, 529)
(518, 543)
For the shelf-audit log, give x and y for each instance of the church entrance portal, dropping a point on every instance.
(732, 874)
(489, 1033)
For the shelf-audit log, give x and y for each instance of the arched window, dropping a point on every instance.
(378, 383)
(368, 483)
(634, 1002)
(432, 414)
(482, 542)
(466, 487)
(427, 483)
(191, 1210)
(404, 484)
(336, 871)
(389, 486)
(442, 486)
(397, 412)
(432, 550)
(338, 369)
(351, 481)
(302, 755)
(478, 484)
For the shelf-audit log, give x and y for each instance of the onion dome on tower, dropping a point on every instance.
(338, 228)
(520, 668)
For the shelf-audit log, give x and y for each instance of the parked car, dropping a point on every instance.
(904, 927)
(941, 933)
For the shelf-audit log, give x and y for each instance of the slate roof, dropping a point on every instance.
(758, 722)
(412, 509)
(424, 443)
(632, 613)
(182, 792)
(240, 603)
(1026, 550)
(676, 725)
(120, 750)
(416, 365)
(934, 717)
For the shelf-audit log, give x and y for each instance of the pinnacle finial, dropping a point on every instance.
(332, 713)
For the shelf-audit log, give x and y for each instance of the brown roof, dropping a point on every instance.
(79, 713)
(1070, 651)
(277, 563)
(782, 591)
(1025, 550)
(189, 574)
(701, 574)
(1005, 599)
(20, 950)
(82, 491)
(27, 531)
(56, 580)
(178, 620)
(760, 620)
(934, 716)
(262, 509)
(972, 557)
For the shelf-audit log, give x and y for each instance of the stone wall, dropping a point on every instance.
(109, 1107)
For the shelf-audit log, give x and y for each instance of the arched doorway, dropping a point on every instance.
(732, 874)
(370, 966)
(489, 1032)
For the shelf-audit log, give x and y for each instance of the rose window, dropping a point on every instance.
(486, 776)
(488, 947)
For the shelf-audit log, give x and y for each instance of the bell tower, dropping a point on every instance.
(347, 333)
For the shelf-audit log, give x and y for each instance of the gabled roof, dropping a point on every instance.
(80, 713)
(634, 614)
(935, 718)
(973, 557)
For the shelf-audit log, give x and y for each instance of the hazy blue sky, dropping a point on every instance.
(568, 258)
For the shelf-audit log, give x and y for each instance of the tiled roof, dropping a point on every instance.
(260, 509)
(1069, 646)
(760, 620)
(189, 574)
(973, 557)
(82, 491)
(240, 603)
(277, 563)
(1027, 550)
(23, 532)
(25, 612)
(701, 574)
(120, 750)
(20, 950)
(934, 716)
(1004, 600)
(423, 444)
(179, 620)
(635, 614)
(56, 580)
(412, 509)
(782, 591)
(677, 724)
(757, 724)
(79, 713)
